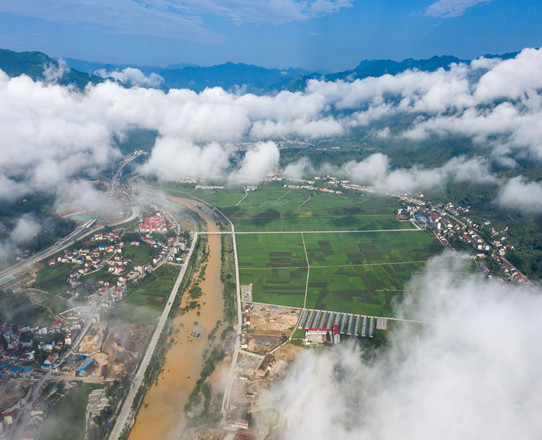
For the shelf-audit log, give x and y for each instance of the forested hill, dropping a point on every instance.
(41, 67)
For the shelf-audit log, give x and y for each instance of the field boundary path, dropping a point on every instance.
(311, 232)
(244, 197)
(308, 270)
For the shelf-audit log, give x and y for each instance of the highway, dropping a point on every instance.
(64, 243)
(127, 416)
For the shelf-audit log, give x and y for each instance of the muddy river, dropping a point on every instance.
(161, 415)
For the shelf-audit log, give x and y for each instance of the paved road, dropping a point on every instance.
(6, 274)
(126, 415)
(229, 385)
(311, 232)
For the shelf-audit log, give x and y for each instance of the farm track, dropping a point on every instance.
(312, 232)
(332, 266)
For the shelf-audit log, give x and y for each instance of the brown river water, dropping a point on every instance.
(161, 415)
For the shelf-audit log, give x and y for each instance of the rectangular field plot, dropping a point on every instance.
(305, 221)
(270, 250)
(361, 290)
(369, 248)
(285, 287)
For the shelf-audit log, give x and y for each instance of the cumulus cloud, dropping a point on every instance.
(517, 194)
(49, 134)
(23, 230)
(52, 73)
(173, 159)
(462, 374)
(26, 227)
(375, 171)
(258, 161)
(132, 77)
(52, 134)
(451, 8)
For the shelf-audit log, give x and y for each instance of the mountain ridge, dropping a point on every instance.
(230, 76)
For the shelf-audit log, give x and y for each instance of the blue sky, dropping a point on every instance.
(313, 34)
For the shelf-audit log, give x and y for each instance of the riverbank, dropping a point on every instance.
(161, 415)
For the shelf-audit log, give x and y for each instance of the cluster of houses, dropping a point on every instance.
(156, 223)
(444, 228)
(21, 348)
(93, 259)
(107, 297)
(32, 428)
(313, 188)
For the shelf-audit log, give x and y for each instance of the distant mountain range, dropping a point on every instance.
(40, 67)
(229, 76)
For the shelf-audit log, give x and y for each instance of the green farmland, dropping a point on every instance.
(277, 286)
(275, 208)
(365, 290)
(148, 297)
(270, 250)
(369, 248)
(359, 256)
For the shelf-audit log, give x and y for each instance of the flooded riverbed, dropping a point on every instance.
(161, 415)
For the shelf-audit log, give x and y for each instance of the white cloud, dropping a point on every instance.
(462, 375)
(174, 159)
(132, 77)
(52, 134)
(451, 8)
(517, 194)
(52, 73)
(178, 19)
(258, 161)
(123, 16)
(26, 227)
(375, 171)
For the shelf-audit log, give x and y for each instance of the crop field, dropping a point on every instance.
(277, 286)
(367, 290)
(369, 248)
(270, 250)
(220, 198)
(275, 208)
(305, 221)
(147, 299)
(349, 272)
(357, 272)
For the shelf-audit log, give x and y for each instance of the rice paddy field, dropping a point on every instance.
(301, 248)
(274, 208)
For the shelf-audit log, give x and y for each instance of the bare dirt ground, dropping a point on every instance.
(11, 392)
(272, 320)
(269, 327)
(124, 345)
(287, 352)
(93, 340)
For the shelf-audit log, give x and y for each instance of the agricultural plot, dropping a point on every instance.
(270, 250)
(367, 290)
(277, 286)
(153, 291)
(358, 272)
(306, 221)
(369, 248)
